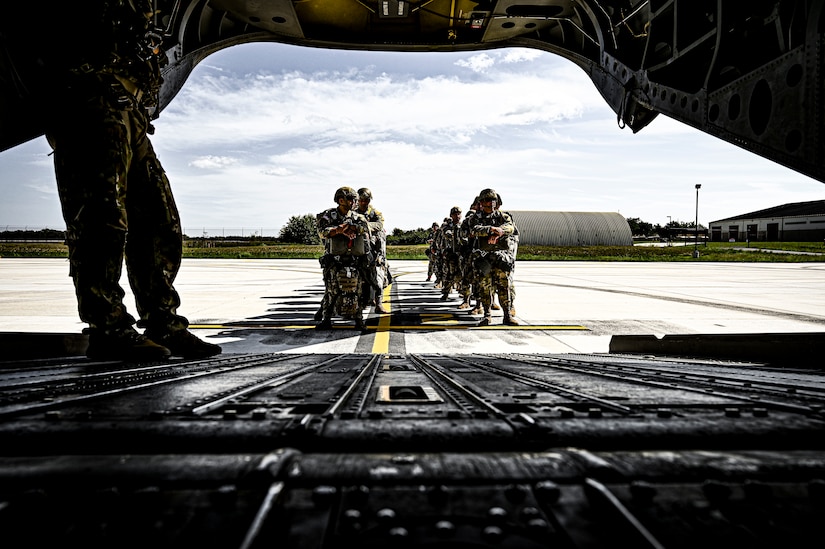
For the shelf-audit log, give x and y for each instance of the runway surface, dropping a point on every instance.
(253, 306)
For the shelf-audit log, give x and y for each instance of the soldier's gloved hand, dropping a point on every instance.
(349, 231)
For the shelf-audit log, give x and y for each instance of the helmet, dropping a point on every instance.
(455, 210)
(364, 193)
(345, 192)
(488, 194)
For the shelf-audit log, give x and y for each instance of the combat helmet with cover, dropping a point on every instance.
(345, 192)
(364, 193)
(488, 194)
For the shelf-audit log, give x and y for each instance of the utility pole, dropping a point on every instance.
(696, 225)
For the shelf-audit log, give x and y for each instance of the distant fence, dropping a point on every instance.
(242, 232)
(22, 233)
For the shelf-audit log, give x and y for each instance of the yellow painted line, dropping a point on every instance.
(381, 345)
(438, 318)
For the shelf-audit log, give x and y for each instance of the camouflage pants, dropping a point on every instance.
(344, 284)
(117, 204)
(452, 275)
(468, 284)
(497, 281)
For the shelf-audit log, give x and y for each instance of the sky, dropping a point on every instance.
(263, 132)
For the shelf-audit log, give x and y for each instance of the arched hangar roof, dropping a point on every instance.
(572, 228)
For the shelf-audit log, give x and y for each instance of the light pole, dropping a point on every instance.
(696, 225)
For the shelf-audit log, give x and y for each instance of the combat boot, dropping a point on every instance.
(183, 343)
(379, 305)
(509, 320)
(325, 324)
(486, 320)
(124, 344)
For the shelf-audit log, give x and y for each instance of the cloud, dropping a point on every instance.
(520, 55)
(213, 162)
(477, 63)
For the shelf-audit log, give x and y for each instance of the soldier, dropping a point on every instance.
(378, 244)
(492, 257)
(513, 242)
(116, 199)
(438, 253)
(469, 285)
(450, 248)
(430, 251)
(342, 220)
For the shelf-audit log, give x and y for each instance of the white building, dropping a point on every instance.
(797, 222)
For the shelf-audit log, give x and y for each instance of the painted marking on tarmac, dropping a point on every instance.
(438, 319)
(381, 345)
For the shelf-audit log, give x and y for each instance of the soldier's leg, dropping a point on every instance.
(90, 168)
(328, 302)
(447, 279)
(476, 294)
(502, 283)
(485, 284)
(379, 295)
(512, 294)
(154, 249)
(359, 313)
(155, 246)
(465, 287)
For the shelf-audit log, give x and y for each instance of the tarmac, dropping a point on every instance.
(267, 306)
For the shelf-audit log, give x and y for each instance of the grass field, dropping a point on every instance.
(714, 251)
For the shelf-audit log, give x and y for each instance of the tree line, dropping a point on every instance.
(643, 228)
(301, 229)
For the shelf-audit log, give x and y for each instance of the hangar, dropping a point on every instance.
(795, 222)
(572, 228)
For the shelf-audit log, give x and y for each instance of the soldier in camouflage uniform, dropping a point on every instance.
(429, 252)
(438, 246)
(450, 249)
(114, 193)
(338, 222)
(435, 255)
(380, 271)
(492, 256)
(469, 286)
(513, 243)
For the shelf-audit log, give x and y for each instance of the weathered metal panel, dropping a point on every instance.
(547, 228)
